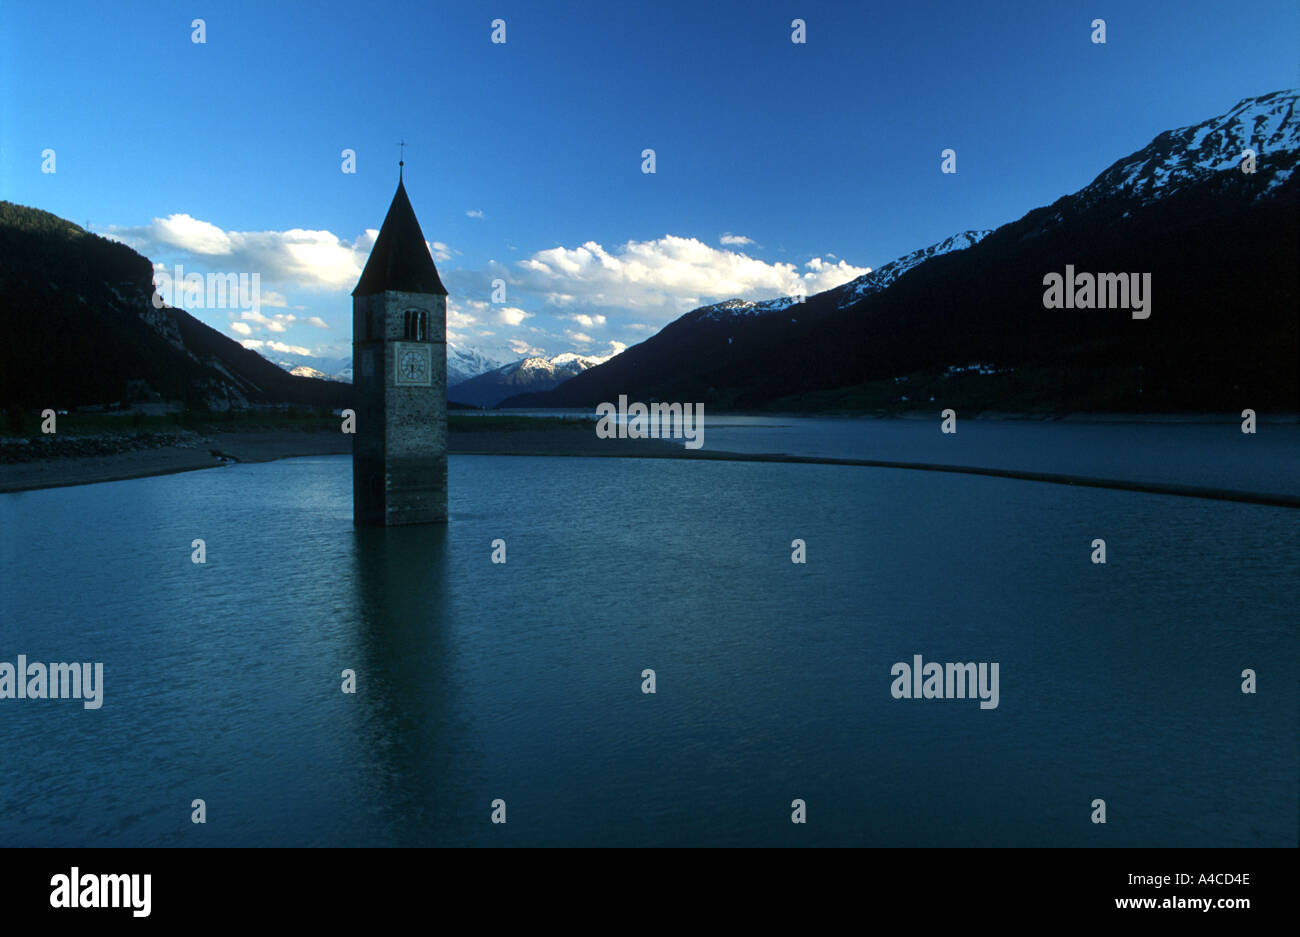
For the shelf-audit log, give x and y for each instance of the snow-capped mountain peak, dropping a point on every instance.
(730, 308)
(873, 281)
(562, 365)
(1266, 125)
(317, 366)
(585, 361)
(528, 364)
(465, 362)
(527, 375)
(882, 277)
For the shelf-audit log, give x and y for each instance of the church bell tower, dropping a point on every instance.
(399, 372)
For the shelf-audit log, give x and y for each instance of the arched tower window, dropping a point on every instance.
(415, 327)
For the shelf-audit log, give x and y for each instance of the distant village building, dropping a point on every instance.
(399, 344)
(976, 367)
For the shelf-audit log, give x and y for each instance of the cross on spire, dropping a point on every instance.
(401, 160)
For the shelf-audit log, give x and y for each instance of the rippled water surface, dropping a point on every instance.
(522, 681)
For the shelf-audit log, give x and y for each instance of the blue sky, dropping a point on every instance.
(819, 160)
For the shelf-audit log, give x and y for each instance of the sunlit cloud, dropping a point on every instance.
(671, 275)
(297, 257)
(257, 344)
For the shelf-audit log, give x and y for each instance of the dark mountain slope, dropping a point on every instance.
(1221, 246)
(81, 329)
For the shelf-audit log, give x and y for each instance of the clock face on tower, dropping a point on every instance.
(413, 365)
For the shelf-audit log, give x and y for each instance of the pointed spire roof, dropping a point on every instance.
(400, 259)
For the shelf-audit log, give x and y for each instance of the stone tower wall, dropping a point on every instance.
(400, 448)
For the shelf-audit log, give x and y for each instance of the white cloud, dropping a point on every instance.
(509, 315)
(198, 237)
(820, 267)
(616, 348)
(298, 257)
(257, 344)
(520, 347)
(458, 318)
(474, 213)
(276, 323)
(588, 287)
(671, 274)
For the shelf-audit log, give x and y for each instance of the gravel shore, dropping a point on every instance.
(84, 460)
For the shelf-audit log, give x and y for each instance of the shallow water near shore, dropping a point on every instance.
(522, 681)
(1209, 452)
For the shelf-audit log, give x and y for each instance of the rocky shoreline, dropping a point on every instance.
(59, 461)
(44, 448)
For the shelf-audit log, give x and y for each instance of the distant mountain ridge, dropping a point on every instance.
(527, 375)
(321, 366)
(1220, 245)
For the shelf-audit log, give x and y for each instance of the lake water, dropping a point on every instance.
(1209, 454)
(522, 681)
